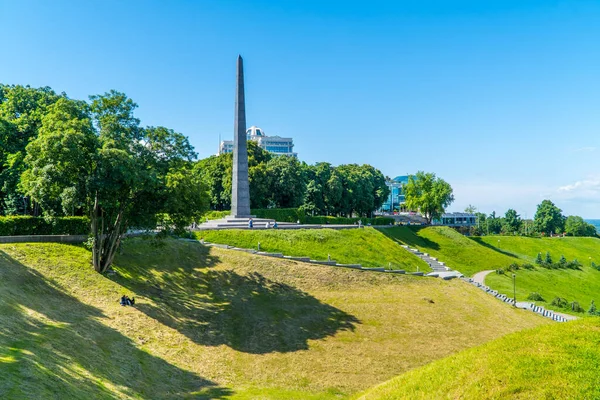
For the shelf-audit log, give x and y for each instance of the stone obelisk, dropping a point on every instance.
(240, 188)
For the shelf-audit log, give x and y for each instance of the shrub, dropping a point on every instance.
(592, 310)
(574, 264)
(559, 302)
(576, 307)
(596, 267)
(563, 261)
(500, 271)
(538, 259)
(513, 267)
(548, 259)
(535, 297)
(25, 225)
(528, 266)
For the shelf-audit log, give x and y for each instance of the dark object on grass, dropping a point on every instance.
(126, 301)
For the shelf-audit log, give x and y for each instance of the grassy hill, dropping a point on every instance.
(471, 255)
(550, 362)
(367, 246)
(581, 285)
(457, 251)
(211, 323)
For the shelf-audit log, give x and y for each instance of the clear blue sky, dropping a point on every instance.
(499, 98)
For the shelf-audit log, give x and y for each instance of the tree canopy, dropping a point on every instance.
(548, 218)
(96, 159)
(428, 194)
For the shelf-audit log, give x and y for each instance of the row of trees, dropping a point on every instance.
(286, 182)
(60, 156)
(548, 220)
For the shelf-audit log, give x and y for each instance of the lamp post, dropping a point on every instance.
(515, 289)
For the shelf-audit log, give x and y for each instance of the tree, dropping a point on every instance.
(61, 158)
(428, 194)
(548, 259)
(548, 218)
(22, 109)
(512, 221)
(471, 209)
(287, 181)
(576, 226)
(98, 160)
(493, 224)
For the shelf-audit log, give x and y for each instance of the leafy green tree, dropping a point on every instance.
(287, 181)
(428, 194)
(512, 221)
(21, 111)
(122, 175)
(548, 259)
(548, 218)
(216, 175)
(493, 224)
(61, 158)
(471, 209)
(576, 226)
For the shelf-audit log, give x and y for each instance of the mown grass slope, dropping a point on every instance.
(367, 246)
(456, 250)
(582, 285)
(551, 362)
(527, 248)
(211, 323)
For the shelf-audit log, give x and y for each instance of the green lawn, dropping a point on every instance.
(471, 255)
(552, 362)
(212, 323)
(367, 246)
(457, 251)
(527, 248)
(581, 285)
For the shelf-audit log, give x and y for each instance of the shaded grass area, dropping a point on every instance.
(449, 246)
(551, 362)
(52, 344)
(211, 323)
(367, 246)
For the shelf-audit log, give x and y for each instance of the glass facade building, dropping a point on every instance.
(273, 144)
(396, 199)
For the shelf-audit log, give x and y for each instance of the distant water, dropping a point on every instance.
(595, 222)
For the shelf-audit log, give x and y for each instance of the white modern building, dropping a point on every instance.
(273, 144)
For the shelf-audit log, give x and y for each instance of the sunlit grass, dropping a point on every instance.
(456, 250)
(212, 323)
(367, 246)
(552, 362)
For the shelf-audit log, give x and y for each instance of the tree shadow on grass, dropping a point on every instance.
(249, 313)
(411, 238)
(54, 346)
(489, 246)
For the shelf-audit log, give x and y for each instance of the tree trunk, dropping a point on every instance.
(105, 244)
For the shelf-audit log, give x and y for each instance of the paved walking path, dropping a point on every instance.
(480, 276)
